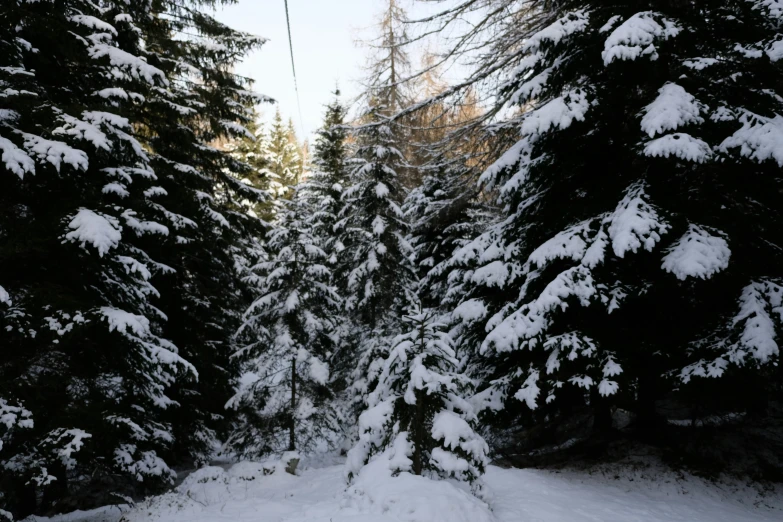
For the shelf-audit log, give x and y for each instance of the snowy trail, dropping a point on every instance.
(318, 495)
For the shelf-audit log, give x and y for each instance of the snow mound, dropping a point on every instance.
(410, 498)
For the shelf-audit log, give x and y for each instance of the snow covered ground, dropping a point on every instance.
(629, 493)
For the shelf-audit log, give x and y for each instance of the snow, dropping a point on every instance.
(73, 445)
(115, 188)
(495, 273)
(760, 138)
(697, 254)
(93, 23)
(533, 318)
(568, 244)
(643, 491)
(15, 158)
(775, 50)
(559, 112)
(99, 230)
(569, 24)
(680, 145)
(55, 152)
(124, 61)
(529, 391)
(773, 7)
(471, 310)
(760, 302)
(319, 371)
(635, 223)
(4, 296)
(457, 433)
(761, 307)
(636, 36)
(673, 108)
(121, 321)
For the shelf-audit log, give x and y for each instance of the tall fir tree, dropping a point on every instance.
(255, 153)
(283, 399)
(283, 152)
(109, 186)
(83, 349)
(216, 237)
(633, 264)
(419, 416)
(329, 175)
(374, 272)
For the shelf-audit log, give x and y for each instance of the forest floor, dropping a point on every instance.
(643, 491)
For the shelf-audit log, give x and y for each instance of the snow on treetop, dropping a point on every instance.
(99, 230)
(697, 254)
(673, 108)
(635, 37)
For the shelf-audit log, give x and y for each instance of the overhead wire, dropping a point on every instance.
(293, 67)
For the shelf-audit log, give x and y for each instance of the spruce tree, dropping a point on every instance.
(328, 178)
(283, 398)
(206, 204)
(374, 273)
(254, 152)
(111, 177)
(634, 264)
(375, 260)
(283, 153)
(83, 347)
(444, 214)
(418, 414)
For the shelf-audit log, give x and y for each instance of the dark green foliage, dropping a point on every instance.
(283, 398)
(118, 235)
(634, 264)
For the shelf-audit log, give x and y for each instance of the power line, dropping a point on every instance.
(293, 68)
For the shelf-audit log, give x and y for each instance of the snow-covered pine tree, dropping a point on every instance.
(204, 201)
(302, 152)
(328, 178)
(374, 274)
(444, 214)
(283, 398)
(632, 250)
(82, 346)
(418, 416)
(375, 261)
(283, 152)
(255, 153)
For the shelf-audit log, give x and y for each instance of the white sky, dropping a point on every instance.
(324, 32)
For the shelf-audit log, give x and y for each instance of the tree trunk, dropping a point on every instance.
(417, 433)
(602, 414)
(292, 426)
